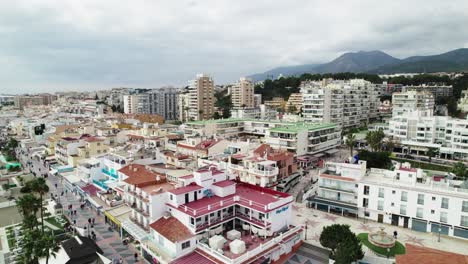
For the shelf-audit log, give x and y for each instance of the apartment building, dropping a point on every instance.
(411, 101)
(294, 104)
(66, 147)
(438, 91)
(93, 146)
(418, 131)
(338, 188)
(201, 98)
(305, 138)
(22, 101)
(260, 112)
(210, 202)
(257, 100)
(346, 103)
(413, 199)
(276, 103)
(163, 102)
(183, 106)
(136, 103)
(300, 138)
(242, 94)
(463, 102)
(144, 192)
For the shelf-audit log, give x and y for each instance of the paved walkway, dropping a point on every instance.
(108, 241)
(318, 219)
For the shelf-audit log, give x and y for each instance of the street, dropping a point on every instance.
(108, 241)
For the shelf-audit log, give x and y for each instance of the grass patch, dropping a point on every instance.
(398, 249)
(53, 221)
(424, 165)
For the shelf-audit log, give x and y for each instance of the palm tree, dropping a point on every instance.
(28, 206)
(39, 186)
(47, 246)
(350, 142)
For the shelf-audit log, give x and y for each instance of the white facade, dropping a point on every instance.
(412, 101)
(163, 102)
(346, 103)
(409, 198)
(420, 130)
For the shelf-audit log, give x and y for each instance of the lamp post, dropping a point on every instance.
(306, 222)
(388, 253)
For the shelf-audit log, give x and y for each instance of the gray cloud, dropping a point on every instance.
(49, 45)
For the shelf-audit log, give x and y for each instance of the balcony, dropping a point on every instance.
(271, 172)
(111, 174)
(141, 210)
(213, 221)
(142, 226)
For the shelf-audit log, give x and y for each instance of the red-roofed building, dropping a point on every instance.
(211, 203)
(202, 149)
(418, 255)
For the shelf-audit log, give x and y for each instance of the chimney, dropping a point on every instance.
(158, 178)
(135, 169)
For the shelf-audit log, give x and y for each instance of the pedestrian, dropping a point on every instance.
(75, 212)
(395, 234)
(61, 194)
(136, 256)
(121, 261)
(105, 219)
(92, 220)
(56, 186)
(74, 221)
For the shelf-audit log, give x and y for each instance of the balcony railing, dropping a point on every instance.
(107, 172)
(135, 221)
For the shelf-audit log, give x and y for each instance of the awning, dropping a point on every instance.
(134, 230)
(119, 214)
(334, 204)
(94, 203)
(331, 151)
(318, 155)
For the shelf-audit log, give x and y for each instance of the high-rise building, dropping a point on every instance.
(136, 103)
(345, 103)
(22, 101)
(438, 91)
(242, 94)
(163, 101)
(257, 100)
(294, 104)
(201, 98)
(183, 105)
(411, 101)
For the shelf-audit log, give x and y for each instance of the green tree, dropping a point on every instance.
(432, 152)
(333, 235)
(379, 160)
(216, 115)
(350, 142)
(374, 139)
(349, 250)
(28, 206)
(460, 170)
(47, 246)
(292, 109)
(39, 186)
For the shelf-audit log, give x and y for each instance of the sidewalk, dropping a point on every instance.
(318, 219)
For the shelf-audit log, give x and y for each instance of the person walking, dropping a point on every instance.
(136, 256)
(395, 234)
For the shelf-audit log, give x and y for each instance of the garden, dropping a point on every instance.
(398, 249)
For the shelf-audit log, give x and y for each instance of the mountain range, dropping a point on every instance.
(376, 62)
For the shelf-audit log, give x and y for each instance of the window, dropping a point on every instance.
(366, 214)
(420, 212)
(380, 205)
(381, 192)
(465, 206)
(366, 190)
(403, 209)
(404, 196)
(443, 217)
(432, 211)
(171, 197)
(393, 191)
(365, 202)
(464, 220)
(433, 198)
(393, 204)
(185, 245)
(421, 199)
(445, 203)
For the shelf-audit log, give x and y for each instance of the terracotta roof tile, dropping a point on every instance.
(416, 255)
(172, 229)
(140, 176)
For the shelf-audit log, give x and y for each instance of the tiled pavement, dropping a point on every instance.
(108, 241)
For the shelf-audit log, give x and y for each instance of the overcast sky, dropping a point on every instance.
(57, 45)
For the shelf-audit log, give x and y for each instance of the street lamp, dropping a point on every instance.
(388, 253)
(306, 222)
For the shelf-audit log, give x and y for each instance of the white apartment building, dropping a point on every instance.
(163, 102)
(463, 102)
(411, 101)
(136, 103)
(201, 98)
(418, 131)
(300, 138)
(438, 91)
(412, 199)
(257, 100)
(242, 94)
(345, 103)
(338, 188)
(261, 112)
(183, 106)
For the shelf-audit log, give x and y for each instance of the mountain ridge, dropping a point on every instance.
(377, 62)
